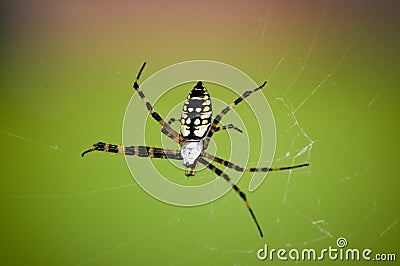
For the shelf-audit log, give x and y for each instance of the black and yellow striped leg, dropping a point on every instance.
(248, 169)
(166, 129)
(229, 180)
(141, 151)
(230, 126)
(218, 118)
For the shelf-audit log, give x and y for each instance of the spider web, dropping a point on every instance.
(318, 229)
(296, 144)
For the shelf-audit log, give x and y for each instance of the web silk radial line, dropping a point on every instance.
(323, 228)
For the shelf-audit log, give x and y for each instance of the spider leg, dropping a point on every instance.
(248, 169)
(218, 118)
(229, 180)
(141, 151)
(230, 126)
(171, 121)
(166, 129)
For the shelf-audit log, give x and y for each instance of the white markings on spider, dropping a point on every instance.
(190, 151)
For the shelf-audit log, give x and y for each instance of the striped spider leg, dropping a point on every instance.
(228, 164)
(220, 128)
(249, 169)
(141, 151)
(166, 128)
(217, 119)
(220, 173)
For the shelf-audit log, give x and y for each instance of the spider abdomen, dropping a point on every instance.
(196, 113)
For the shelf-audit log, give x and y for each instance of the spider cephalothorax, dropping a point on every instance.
(196, 129)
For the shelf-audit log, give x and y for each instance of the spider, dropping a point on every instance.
(196, 129)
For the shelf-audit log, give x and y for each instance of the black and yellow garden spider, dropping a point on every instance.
(196, 130)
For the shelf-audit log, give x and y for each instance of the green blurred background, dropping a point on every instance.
(67, 69)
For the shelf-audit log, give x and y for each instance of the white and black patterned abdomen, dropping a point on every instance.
(196, 114)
